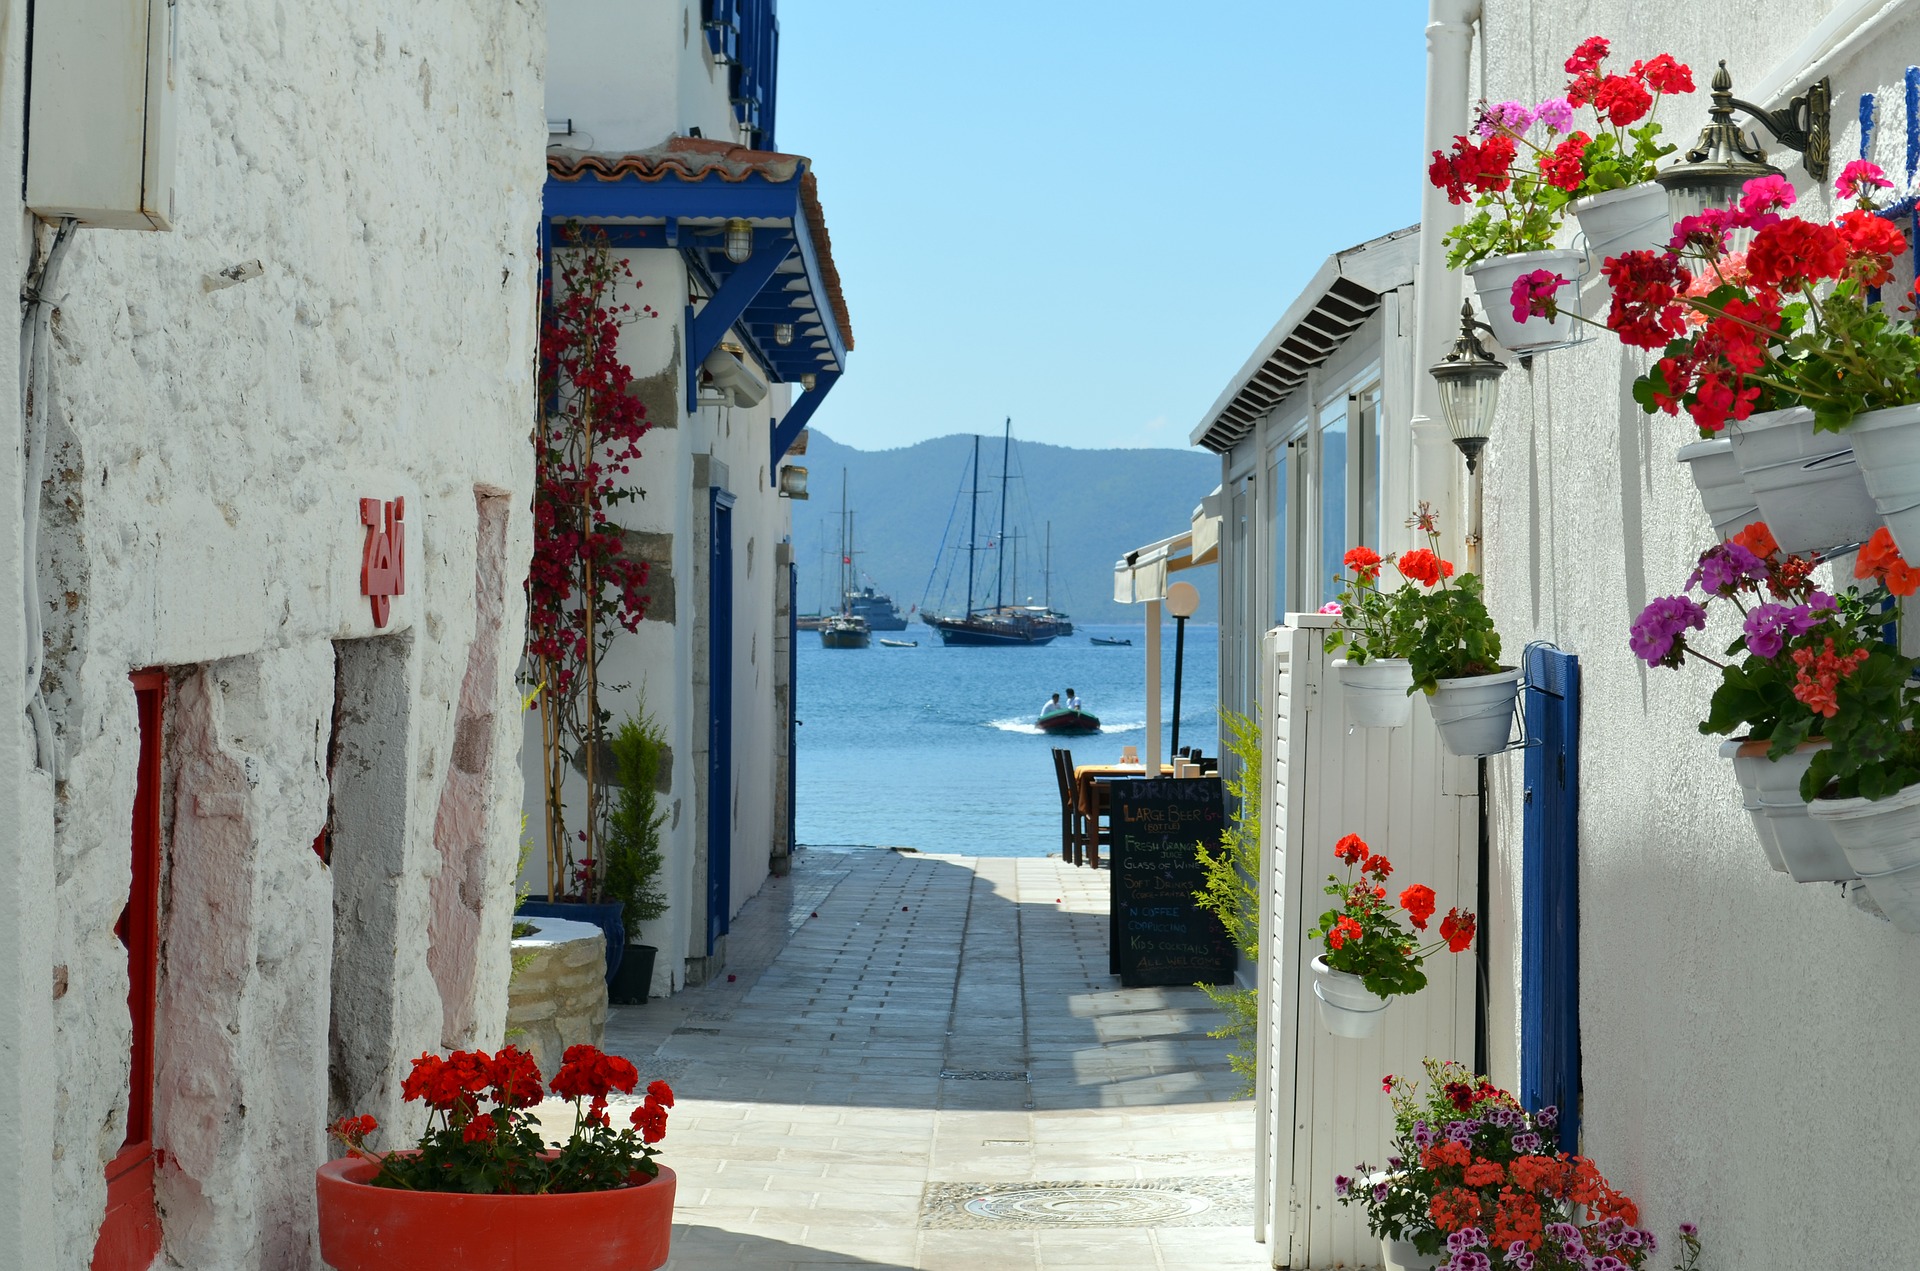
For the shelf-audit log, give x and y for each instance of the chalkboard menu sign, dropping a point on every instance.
(1159, 935)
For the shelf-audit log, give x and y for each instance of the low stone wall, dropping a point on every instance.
(558, 998)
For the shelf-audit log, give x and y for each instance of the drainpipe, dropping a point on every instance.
(1437, 294)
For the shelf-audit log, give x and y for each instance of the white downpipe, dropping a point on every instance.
(1150, 753)
(1436, 464)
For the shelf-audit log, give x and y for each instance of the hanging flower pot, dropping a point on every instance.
(1376, 691)
(1494, 277)
(1475, 713)
(1882, 841)
(1795, 843)
(368, 1228)
(1723, 491)
(1346, 1008)
(1635, 219)
(1811, 491)
(1887, 445)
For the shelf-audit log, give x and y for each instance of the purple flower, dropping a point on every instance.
(1423, 1135)
(1519, 1257)
(1471, 1262)
(1658, 638)
(1607, 1262)
(1395, 1162)
(1380, 1193)
(1527, 1143)
(1461, 1131)
(1648, 1243)
(1504, 117)
(1342, 1184)
(1688, 1229)
(1562, 1231)
(1546, 1116)
(1727, 569)
(1556, 113)
(1770, 626)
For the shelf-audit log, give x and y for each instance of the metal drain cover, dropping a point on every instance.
(1188, 1202)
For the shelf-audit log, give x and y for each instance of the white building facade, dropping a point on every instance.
(663, 140)
(263, 529)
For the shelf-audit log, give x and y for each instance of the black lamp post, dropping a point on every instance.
(1182, 600)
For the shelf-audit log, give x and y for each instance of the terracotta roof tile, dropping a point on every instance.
(698, 159)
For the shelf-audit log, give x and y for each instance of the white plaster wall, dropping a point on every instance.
(1745, 1039)
(384, 165)
(631, 73)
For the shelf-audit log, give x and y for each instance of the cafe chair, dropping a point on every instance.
(1069, 808)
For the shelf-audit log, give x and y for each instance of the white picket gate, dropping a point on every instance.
(1319, 1101)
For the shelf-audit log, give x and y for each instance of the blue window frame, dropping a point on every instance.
(744, 37)
(1550, 893)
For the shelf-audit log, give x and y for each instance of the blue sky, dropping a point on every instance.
(1085, 214)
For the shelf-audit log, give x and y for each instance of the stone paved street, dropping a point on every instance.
(937, 1072)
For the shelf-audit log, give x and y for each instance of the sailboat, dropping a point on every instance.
(846, 629)
(1003, 624)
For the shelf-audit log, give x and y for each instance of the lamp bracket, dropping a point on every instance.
(1806, 125)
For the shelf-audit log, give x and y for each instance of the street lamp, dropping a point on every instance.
(1469, 379)
(1724, 160)
(1182, 599)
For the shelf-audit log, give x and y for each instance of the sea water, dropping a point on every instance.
(937, 748)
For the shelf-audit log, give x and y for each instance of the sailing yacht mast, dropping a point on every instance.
(973, 520)
(845, 524)
(1046, 570)
(1000, 557)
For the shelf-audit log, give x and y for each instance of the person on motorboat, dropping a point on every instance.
(1073, 700)
(1051, 704)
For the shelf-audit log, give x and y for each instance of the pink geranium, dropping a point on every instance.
(1533, 294)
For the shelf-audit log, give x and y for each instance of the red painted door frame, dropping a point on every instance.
(130, 1235)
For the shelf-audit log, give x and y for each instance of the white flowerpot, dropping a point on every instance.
(1794, 842)
(1400, 1255)
(1636, 219)
(1475, 713)
(1723, 491)
(1811, 492)
(1882, 840)
(1493, 278)
(1887, 444)
(1376, 692)
(1346, 1008)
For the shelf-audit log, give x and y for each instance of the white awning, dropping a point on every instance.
(1141, 575)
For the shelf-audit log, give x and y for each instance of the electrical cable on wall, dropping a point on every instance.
(35, 366)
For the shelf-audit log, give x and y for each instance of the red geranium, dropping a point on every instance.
(1622, 99)
(1423, 567)
(1363, 935)
(1457, 930)
(1364, 562)
(1418, 901)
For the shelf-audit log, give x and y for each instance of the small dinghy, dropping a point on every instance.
(1109, 642)
(901, 644)
(1066, 720)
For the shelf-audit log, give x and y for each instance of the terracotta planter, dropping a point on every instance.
(367, 1228)
(1376, 692)
(1810, 489)
(1493, 278)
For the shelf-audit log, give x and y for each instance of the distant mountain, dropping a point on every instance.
(1102, 504)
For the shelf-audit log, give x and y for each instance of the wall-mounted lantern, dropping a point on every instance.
(739, 240)
(1724, 160)
(793, 482)
(783, 333)
(807, 381)
(1469, 379)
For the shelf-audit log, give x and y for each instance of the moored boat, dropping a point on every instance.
(900, 644)
(1109, 642)
(845, 631)
(1067, 719)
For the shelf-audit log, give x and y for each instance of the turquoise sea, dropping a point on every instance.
(936, 748)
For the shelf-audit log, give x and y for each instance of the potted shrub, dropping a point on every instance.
(483, 1191)
(1619, 206)
(1375, 678)
(630, 876)
(1442, 625)
(1473, 1183)
(1369, 958)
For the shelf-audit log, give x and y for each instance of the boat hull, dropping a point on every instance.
(986, 632)
(844, 639)
(1069, 722)
(1112, 644)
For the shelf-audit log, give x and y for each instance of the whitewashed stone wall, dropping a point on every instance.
(383, 163)
(1745, 1039)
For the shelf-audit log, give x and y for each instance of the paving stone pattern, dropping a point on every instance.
(937, 1072)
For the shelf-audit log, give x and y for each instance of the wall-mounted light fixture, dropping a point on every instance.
(1469, 378)
(807, 381)
(739, 240)
(783, 333)
(1724, 160)
(793, 482)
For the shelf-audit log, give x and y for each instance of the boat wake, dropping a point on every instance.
(1026, 726)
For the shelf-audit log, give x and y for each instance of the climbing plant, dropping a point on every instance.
(1231, 890)
(581, 590)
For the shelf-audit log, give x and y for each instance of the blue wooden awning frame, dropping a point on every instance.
(781, 282)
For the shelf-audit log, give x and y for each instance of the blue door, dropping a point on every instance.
(720, 719)
(1550, 893)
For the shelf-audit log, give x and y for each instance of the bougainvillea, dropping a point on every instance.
(581, 588)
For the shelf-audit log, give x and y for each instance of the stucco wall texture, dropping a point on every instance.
(383, 163)
(1746, 1040)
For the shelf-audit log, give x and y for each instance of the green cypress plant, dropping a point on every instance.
(631, 859)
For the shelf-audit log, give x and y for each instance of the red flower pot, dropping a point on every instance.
(367, 1228)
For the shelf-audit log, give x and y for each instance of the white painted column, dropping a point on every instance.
(1150, 753)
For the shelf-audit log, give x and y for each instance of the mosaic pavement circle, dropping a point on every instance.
(1189, 1202)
